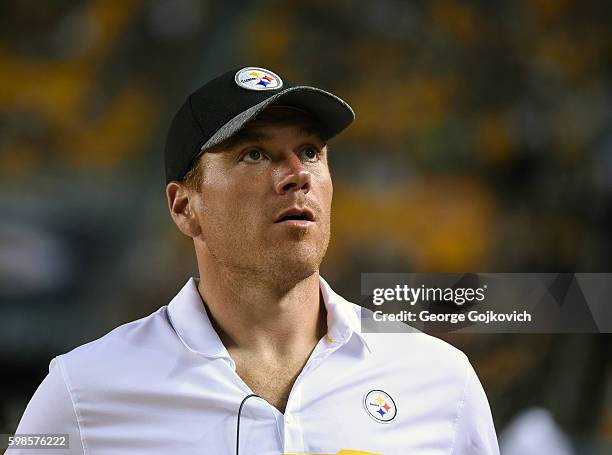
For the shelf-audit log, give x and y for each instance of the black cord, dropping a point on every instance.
(238, 422)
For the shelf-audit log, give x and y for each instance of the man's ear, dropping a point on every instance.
(181, 204)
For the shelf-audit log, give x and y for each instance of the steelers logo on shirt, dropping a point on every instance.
(380, 406)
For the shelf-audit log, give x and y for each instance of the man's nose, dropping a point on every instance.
(294, 177)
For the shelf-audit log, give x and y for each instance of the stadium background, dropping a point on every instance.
(483, 142)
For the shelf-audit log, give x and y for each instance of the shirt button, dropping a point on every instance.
(289, 419)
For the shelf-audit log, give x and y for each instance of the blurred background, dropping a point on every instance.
(483, 143)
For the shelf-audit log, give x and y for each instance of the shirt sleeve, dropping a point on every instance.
(51, 411)
(475, 428)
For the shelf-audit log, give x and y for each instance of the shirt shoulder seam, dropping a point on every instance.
(68, 384)
(461, 404)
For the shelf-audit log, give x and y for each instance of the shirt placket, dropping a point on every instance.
(290, 422)
(256, 419)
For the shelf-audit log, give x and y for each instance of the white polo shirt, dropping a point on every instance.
(165, 384)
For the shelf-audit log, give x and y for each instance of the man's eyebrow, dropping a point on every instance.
(249, 136)
(309, 130)
(258, 136)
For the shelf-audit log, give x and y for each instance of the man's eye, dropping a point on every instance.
(253, 155)
(310, 153)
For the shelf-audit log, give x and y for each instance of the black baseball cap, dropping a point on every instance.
(221, 107)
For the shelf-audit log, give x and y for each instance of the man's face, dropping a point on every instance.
(265, 202)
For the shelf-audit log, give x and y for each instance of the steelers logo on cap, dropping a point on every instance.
(253, 78)
(380, 406)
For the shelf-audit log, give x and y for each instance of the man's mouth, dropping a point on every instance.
(297, 214)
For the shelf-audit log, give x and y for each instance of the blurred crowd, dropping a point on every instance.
(482, 143)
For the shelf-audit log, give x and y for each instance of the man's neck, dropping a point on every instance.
(259, 318)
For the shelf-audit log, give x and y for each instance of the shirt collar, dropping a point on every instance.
(189, 319)
(343, 317)
(188, 316)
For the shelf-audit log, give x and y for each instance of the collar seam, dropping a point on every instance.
(179, 334)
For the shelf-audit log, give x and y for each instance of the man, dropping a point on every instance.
(259, 355)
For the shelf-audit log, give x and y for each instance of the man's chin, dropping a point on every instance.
(296, 270)
(295, 264)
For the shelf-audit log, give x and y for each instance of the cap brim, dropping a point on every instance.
(333, 113)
